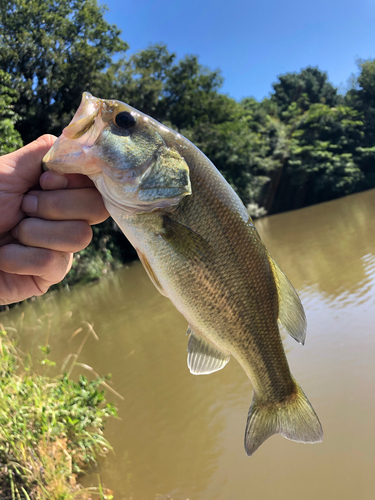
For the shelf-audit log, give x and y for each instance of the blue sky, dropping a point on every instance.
(254, 42)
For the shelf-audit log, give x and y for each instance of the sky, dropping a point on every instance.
(252, 42)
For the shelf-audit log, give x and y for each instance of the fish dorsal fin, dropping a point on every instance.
(204, 357)
(291, 313)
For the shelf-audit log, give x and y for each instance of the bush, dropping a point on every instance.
(51, 429)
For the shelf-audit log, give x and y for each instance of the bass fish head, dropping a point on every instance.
(126, 153)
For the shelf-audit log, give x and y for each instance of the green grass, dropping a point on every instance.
(51, 429)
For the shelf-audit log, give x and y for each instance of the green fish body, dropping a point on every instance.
(200, 248)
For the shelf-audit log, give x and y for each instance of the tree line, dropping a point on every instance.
(306, 143)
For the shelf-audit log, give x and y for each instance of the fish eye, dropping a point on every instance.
(125, 120)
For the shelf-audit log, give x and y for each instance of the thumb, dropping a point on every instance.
(26, 163)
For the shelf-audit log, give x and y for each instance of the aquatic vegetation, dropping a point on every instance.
(51, 429)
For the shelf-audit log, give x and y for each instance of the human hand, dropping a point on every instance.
(43, 220)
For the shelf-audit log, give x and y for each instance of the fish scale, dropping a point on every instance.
(200, 248)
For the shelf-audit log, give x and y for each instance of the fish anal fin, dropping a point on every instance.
(294, 418)
(291, 313)
(203, 357)
(150, 272)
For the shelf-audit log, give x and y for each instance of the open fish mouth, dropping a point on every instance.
(84, 117)
(77, 139)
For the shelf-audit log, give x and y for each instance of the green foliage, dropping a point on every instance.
(325, 155)
(322, 161)
(310, 86)
(140, 79)
(51, 429)
(54, 50)
(181, 93)
(10, 139)
(190, 94)
(362, 98)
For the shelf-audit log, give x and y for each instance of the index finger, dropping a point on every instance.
(25, 164)
(66, 204)
(50, 181)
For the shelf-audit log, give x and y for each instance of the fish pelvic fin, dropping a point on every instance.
(294, 418)
(291, 313)
(203, 357)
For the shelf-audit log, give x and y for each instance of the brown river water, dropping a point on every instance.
(182, 435)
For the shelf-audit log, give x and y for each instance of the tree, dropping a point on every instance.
(10, 139)
(323, 161)
(191, 94)
(178, 92)
(310, 86)
(54, 50)
(318, 143)
(362, 97)
(139, 80)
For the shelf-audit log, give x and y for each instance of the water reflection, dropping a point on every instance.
(329, 247)
(183, 435)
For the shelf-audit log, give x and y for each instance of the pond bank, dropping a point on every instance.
(51, 429)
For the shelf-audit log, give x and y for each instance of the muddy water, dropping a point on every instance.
(182, 435)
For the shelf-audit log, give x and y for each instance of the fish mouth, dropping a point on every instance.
(70, 153)
(84, 117)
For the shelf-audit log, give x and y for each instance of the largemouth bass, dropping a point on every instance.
(200, 248)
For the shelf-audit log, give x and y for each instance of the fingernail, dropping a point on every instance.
(29, 204)
(52, 180)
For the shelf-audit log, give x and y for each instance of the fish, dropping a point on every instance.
(200, 248)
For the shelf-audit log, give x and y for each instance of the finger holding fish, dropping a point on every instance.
(50, 181)
(65, 204)
(63, 236)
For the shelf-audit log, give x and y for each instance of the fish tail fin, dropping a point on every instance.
(294, 418)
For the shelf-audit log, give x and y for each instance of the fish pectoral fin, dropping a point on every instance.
(203, 357)
(294, 418)
(291, 313)
(150, 272)
(185, 241)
